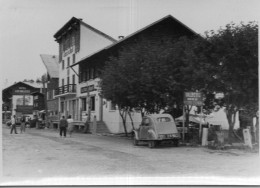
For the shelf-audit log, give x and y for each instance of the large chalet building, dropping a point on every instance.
(76, 40)
(88, 90)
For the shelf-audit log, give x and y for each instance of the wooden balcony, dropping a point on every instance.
(69, 89)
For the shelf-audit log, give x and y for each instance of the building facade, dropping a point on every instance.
(88, 88)
(18, 98)
(51, 63)
(76, 40)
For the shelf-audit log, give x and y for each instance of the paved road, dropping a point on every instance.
(42, 153)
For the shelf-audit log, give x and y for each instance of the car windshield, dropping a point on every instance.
(164, 119)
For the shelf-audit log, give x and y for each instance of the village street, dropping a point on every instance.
(40, 153)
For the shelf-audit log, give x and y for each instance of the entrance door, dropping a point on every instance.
(100, 108)
(74, 109)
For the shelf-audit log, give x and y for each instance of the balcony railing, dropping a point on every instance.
(66, 89)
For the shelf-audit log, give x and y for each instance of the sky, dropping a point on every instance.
(27, 26)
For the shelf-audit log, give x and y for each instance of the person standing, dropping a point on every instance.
(63, 126)
(23, 124)
(13, 125)
(70, 125)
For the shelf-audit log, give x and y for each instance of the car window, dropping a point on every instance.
(145, 122)
(164, 119)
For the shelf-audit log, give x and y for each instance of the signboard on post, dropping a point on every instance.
(193, 98)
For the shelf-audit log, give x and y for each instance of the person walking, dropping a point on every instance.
(23, 124)
(70, 125)
(13, 125)
(63, 126)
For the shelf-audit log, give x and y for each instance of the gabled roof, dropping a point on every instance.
(118, 43)
(51, 63)
(31, 84)
(74, 21)
(34, 84)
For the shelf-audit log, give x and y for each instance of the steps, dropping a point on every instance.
(102, 127)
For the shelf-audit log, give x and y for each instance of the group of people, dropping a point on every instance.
(13, 124)
(66, 124)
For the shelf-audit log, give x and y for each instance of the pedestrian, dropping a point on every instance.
(23, 124)
(70, 125)
(63, 126)
(13, 125)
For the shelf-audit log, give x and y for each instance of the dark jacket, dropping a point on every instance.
(63, 123)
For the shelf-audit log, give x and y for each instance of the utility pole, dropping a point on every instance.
(44, 81)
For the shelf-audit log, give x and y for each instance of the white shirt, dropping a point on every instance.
(69, 120)
(13, 121)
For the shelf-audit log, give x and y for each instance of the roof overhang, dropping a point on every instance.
(133, 35)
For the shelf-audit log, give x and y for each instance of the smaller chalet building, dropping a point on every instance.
(51, 63)
(19, 100)
(88, 90)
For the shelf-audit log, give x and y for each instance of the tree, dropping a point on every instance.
(236, 54)
(152, 75)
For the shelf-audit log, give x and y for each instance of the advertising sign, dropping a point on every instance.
(193, 98)
(87, 89)
(24, 109)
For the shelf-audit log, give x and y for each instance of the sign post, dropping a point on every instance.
(193, 99)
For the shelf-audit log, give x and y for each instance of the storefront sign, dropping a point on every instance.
(24, 109)
(193, 98)
(87, 89)
(22, 90)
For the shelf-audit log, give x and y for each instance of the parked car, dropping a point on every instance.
(156, 129)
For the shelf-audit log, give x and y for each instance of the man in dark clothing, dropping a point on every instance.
(63, 126)
(13, 125)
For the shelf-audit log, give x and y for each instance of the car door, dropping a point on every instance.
(145, 126)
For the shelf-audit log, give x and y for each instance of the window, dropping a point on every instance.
(73, 59)
(84, 104)
(112, 106)
(163, 119)
(73, 79)
(88, 75)
(145, 122)
(63, 65)
(35, 97)
(68, 61)
(92, 73)
(62, 82)
(92, 103)
(68, 66)
(68, 80)
(62, 107)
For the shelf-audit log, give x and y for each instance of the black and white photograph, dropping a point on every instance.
(129, 92)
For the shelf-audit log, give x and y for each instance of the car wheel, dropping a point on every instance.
(135, 141)
(176, 143)
(151, 144)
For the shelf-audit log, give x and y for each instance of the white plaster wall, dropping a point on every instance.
(114, 121)
(91, 42)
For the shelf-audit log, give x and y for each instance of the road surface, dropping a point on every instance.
(41, 153)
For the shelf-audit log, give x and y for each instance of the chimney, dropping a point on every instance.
(120, 37)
